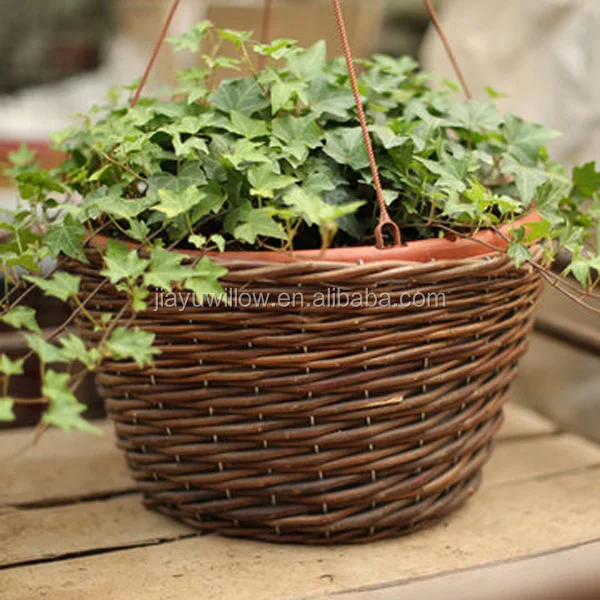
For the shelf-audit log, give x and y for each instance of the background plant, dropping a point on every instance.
(273, 160)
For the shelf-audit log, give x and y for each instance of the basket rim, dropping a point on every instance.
(420, 251)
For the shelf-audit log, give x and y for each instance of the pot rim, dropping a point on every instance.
(420, 251)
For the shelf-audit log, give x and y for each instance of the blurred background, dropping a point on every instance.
(58, 57)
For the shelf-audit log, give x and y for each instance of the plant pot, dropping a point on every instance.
(323, 424)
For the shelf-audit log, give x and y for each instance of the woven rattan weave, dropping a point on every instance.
(316, 423)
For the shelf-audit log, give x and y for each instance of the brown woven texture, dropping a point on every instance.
(321, 425)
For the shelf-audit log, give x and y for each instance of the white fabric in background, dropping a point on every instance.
(545, 54)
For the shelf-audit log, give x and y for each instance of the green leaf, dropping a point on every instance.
(64, 410)
(242, 95)
(528, 179)
(265, 183)
(309, 63)
(285, 93)
(22, 317)
(237, 37)
(303, 130)
(277, 49)
(11, 367)
(255, 223)
(47, 353)
(67, 238)
(121, 263)
(519, 253)
(474, 115)
(387, 137)
(173, 204)
(23, 157)
(6, 409)
(326, 98)
(245, 151)
(62, 285)
(74, 349)
(135, 344)
(165, 268)
(580, 268)
(586, 181)
(347, 147)
(205, 279)
(192, 39)
(314, 210)
(247, 127)
(525, 140)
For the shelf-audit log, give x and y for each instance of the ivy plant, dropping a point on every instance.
(270, 160)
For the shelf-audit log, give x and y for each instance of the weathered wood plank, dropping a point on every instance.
(60, 467)
(58, 531)
(522, 422)
(64, 530)
(502, 522)
(571, 573)
(521, 460)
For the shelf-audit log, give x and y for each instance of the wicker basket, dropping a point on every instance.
(321, 424)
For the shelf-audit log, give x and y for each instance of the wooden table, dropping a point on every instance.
(72, 527)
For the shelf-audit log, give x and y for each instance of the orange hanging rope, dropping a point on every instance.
(384, 216)
(451, 55)
(155, 52)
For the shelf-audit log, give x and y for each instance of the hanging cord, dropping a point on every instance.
(449, 51)
(265, 36)
(384, 216)
(155, 52)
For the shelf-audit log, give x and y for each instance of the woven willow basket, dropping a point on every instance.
(321, 424)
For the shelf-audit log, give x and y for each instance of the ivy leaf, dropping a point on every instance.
(277, 49)
(265, 183)
(6, 409)
(245, 151)
(528, 179)
(285, 92)
(10, 367)
(205, 279)
(165, 268)
(586, 181)
(387, 137)
(525, 140)
(121, 263)
(236, 37)
(74, 349)
(580, 268)
(326, 98)
(64, 410)
(62, 286)
(22, 317)
(303, 130)
(347, 147)
(173, 204)
(453, 172)
(135, 344)
(309, 63)
(66, 238)
(314, 210)
(242, 95)
(192, 39)
(190, 148)
(253, 223)
(519, 253)
(475, 115)
(247, 127)
(47, 353)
